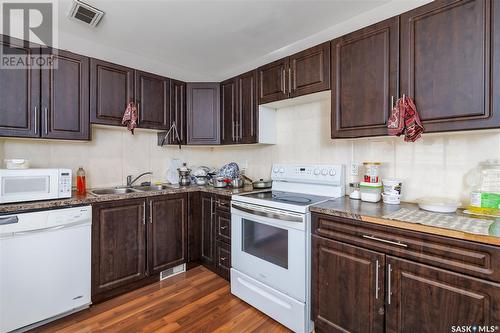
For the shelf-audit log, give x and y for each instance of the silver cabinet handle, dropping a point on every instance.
(138, 112)
(232, 129)
(385, 241)
(389, 292)
(237, 131)
(392, 102)
(283, 88)
(36, 120)
(290, 80)
(271, 215)
(223, 258)
(151, 212)
(223, 227)
(144, 213)
(376, 279)
(9, 220)
(46, 120)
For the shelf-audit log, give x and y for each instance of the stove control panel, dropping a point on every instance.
(328, 174)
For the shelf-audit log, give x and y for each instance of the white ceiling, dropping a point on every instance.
(205, 40)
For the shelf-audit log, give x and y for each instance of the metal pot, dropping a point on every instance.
(262, 184)
(237, 182)
(218, 182)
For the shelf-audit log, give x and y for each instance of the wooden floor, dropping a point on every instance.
(195, 301)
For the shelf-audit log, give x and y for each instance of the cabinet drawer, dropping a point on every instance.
(223, 226)
(461, 256)
(223, 204)
(223, 251)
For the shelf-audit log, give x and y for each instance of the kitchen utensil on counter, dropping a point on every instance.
(370, 192)
(391, 198)
(262, 184)
(184, 175)
(356, 193)
(438, 205)
(371, 174)
(237, 182)
(17, 163)
(229, 171)
(218, 182)
(201, 180)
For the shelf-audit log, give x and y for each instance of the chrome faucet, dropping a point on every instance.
(131, 182)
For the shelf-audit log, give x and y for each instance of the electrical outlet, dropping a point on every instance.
(354, 169)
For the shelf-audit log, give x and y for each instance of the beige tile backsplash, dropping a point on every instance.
(436, 165)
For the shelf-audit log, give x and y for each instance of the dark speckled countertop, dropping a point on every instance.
(89, 198)
(375, 212)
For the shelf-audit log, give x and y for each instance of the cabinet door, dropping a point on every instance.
(167, 232)
(364, 80)
(118, 244)
(177, 111)
(247, 123)
(19, 93)
(446, 63)
(203, 113)
(309, 70)
(111, 88)
(223, 258)
(426, 299)
(272, 80)
(347, 288)
(207, 228)
(65, 97)
(229, 111)
(152, 98)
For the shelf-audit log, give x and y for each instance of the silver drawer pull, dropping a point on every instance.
(224, 227)
(223, 258)
(385, 241)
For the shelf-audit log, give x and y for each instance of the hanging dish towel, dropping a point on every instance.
(404, 119)
(130, 117)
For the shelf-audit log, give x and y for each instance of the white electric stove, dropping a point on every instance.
(271, 241)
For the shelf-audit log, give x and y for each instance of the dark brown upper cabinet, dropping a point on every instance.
(152, 99)
(167, 234)
(447, 61)
(229, 112)
(177, 111)
(364, 80)
(239, 109)
(309, 71)
(19, 94)
(203, 113)
(272, 81)
(303, 73)
(248, 109)
(112, 87)
(65, 98)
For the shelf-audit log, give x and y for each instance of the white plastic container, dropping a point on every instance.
(370, 192)
(17, 163)
(391, 198)
(438, 205)
(392, 186)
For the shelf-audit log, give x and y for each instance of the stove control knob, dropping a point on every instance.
(282, 170)
(276, 169)
(324, 172)
(316, 172)
(332, 172)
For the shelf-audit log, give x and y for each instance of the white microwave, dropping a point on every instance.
(34, 184)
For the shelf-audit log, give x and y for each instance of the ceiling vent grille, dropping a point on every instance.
(82, 12)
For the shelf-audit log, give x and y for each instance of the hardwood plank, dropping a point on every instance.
(195, 301)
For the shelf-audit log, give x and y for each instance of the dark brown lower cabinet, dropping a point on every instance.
(167, 232)
(347, 295)
(121, 261)
(355, 289)
(422, 298)
(118, 244)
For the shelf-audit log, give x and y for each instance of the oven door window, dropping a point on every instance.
(266, 242)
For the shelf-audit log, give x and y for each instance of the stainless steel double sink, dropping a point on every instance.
(133, 189)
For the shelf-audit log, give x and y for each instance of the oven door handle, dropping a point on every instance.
(271, 215)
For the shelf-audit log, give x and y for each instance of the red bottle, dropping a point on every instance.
(81, 186)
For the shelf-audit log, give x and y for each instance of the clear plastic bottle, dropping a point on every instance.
(485, 196)
(81, 186)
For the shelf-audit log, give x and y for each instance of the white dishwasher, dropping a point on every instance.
(44, 266)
